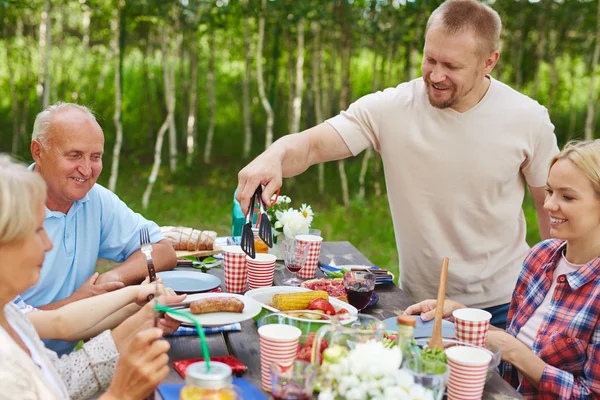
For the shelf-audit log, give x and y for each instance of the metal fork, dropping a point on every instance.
(146, 248)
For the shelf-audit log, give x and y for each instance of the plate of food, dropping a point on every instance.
(186, 281)
(382, 276)
(216, 309)
(293, 300)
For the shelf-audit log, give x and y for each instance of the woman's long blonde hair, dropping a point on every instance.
(585, 155)
(22, 192)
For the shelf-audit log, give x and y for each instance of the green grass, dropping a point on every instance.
(202, 197)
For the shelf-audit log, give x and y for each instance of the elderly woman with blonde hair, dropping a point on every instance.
(30, 371)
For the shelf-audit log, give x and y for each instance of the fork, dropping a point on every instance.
(146, 248)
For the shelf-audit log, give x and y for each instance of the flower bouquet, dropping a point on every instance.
(370, 371)
(287, 220)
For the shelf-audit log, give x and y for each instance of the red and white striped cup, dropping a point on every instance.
(261, 270)
(310, 265)
(468, 370)
(235, 269)
(472, 325)
(278, 343)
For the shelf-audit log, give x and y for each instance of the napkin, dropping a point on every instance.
(189, 330)
(237, 367)
(170, 391)
(334, 268)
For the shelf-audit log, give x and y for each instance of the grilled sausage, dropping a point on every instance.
(217, 304)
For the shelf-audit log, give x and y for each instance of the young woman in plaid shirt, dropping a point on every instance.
(551, 348)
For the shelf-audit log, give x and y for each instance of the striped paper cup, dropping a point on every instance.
(278, 343)
(468, 369)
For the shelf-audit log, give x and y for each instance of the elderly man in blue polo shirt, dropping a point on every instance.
(84, 220)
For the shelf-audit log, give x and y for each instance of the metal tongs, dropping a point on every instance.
(264, 227)
(247, 241)
(265, 232)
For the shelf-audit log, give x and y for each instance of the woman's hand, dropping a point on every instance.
(144, 319)
(427, 308)
(142, 365)
(147, 288)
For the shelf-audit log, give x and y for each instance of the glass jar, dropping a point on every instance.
(214, 385)
(259, 245)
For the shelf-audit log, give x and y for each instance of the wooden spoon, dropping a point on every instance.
(436, 336)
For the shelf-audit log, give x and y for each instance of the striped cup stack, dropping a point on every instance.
(468, 370)
(261, 270)
(310, 266)
(278, 344)
(235, 269)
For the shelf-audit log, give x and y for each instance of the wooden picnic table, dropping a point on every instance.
(244, 344)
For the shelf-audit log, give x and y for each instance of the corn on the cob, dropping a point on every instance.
(297, 301)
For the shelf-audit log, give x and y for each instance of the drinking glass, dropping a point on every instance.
(293, 382)
(294, 256)
(359, 288)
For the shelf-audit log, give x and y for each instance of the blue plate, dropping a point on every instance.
(189, 281)
(423, 329)
(374, 300)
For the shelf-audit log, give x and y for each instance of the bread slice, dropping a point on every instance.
(210, 241)
(193, 242)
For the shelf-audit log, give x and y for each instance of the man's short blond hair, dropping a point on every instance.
(22, 193)
(457, 16)
(41, 126)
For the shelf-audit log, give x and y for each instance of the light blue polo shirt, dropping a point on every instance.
(98, 226)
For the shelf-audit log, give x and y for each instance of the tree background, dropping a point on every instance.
(188, 91)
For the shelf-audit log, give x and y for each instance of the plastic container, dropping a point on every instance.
(214, 385)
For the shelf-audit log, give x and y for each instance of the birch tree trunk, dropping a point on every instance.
(211, 92)
(87, 14)
(289, 78)
(259, 75)
(369, 152)
(592, 100)
(317, 59)
(170, 99)
(299, 78)
(344, 93)
(14, 104)
(116, 44)
(45, 43)
(171, 107)
(193, 110)
(540, 55)
(246, 84)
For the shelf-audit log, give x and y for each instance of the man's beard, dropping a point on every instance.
(454, 99)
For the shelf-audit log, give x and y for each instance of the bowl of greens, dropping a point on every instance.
(438, 355)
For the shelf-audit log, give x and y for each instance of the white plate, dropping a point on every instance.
(264, 295)
(251, 309)
(367, 267)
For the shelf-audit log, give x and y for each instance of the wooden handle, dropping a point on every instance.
(436, 337)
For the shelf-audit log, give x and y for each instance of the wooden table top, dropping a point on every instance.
(244, 344)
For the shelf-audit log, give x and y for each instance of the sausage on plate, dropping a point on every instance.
(217, 304)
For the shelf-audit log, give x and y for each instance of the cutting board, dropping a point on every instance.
(199, 253)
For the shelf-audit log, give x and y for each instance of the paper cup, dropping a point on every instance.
(468, 370)
(309, 269)
(261, 270)
(278, 343)
(235, 269)
(472, 325)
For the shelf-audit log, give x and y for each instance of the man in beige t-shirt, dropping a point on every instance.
(457, 147)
